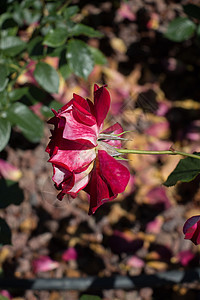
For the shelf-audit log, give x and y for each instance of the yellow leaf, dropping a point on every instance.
(118, 45)
(157, 265)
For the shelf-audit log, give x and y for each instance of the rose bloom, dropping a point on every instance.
(191, 229)
(82, 154)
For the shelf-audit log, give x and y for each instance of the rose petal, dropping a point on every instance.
(185, 257)
(70, 254)
(43, 264)
(6, 294)
(98, 190)
(155, 225)
(9, 171)
(74, 130)
(113, 172)
(157, 196)
(191, 229)
(125, 12)
(81, 180)
(135, 262)
(63, 178)
(73, 159)
(73, 150)
(82, 112)
(101, 104)
(108, 178)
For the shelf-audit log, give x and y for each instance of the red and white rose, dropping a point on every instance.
(82, 154)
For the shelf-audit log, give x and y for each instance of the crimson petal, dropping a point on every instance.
(98, 190)
(82, 111)
(113, 172)
(101, 104)
(191, 229)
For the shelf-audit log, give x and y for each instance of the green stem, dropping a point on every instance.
(59, 12)
(17, 68)
(169, 152)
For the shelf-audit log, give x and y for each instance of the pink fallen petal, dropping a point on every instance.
(157, 196)
(44, 264)
(125, 12)
(5, 294)
(185, 257)
(9, 171)
(193, 132)
(70, 254)
(154, 226)
(163, 108)
(135, 262)
(191, 229)
(153, 23)
(193, 136)
(158, 129)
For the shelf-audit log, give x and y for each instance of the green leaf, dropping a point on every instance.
(4, 17)
(3, 103)
(186, 170)
(9, 32)
(3, 77)
(98, 56)
(79, 58)
(56, 52)
(192, 10)
(30, 125)
(31, 16)
(36, 94)
(12, 45)
(11, 193)
(17, 94)
(47, 77)
(65, 71)
(90, 297)
(55, 37)
(35, 48)
(9, 27)
(5, 233)
(198, 31)
(5, 129)
(70, 11)
(81, 29)
(180, 29)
